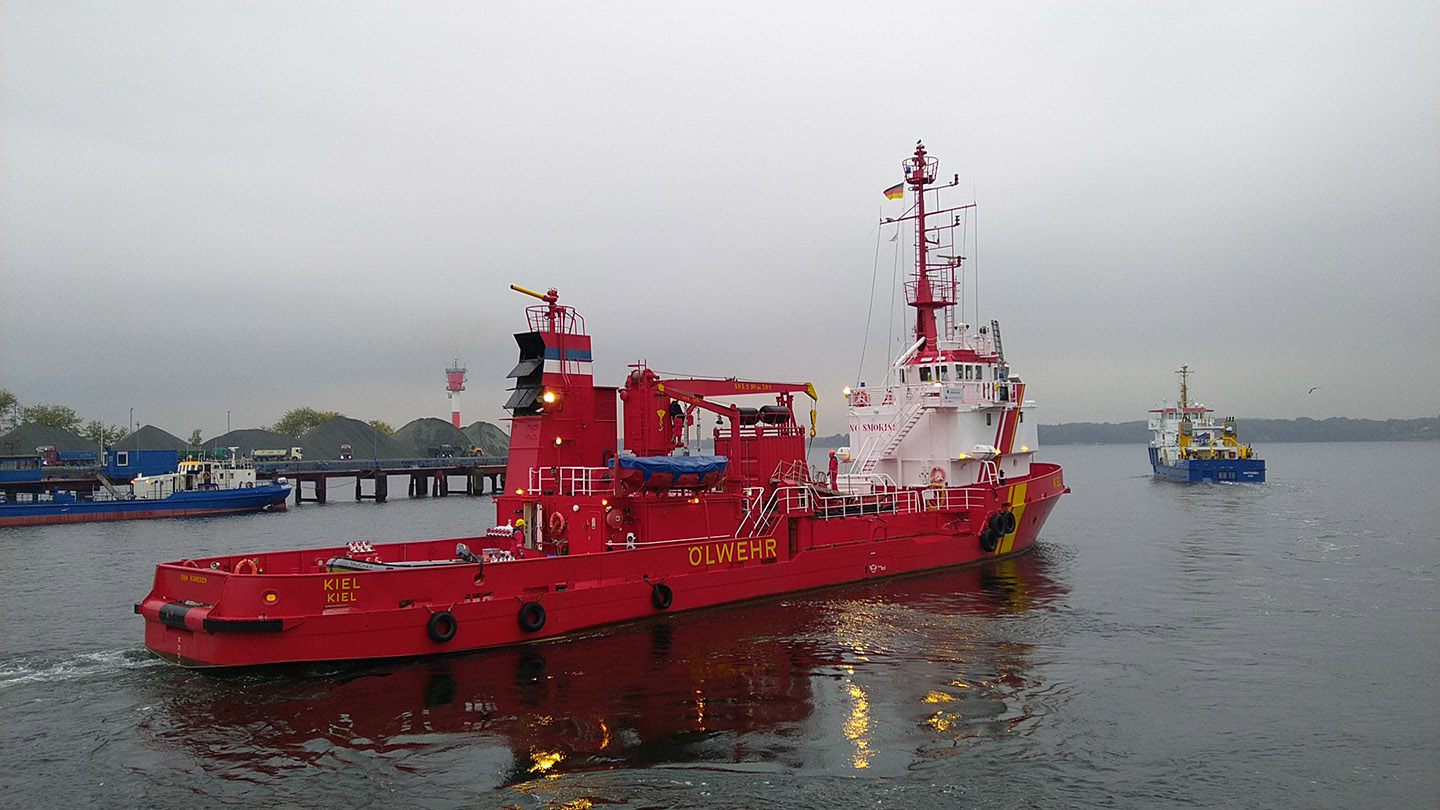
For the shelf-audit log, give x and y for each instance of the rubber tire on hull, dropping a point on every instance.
(531, 617)
(661, 596)
(442, 626)
(989, 540)
(996, 524)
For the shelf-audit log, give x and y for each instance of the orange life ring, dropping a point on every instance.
(246, 566)
(556, 524)
(937, 475)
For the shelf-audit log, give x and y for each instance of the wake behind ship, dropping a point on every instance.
(942, 473)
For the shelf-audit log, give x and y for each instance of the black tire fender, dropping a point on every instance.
(989, 540)
(996, 523)
(531, 616)
(661, 596)
(442, 626)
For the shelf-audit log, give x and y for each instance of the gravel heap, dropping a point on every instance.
(318, 444)
(323, 441)
(150, 437)
(422, 434)
(24, 440)
(491, 440)
(251, 439)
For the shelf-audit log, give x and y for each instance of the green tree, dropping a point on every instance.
(56, 416)
(9, 411)
(195, 437)
(99, 434)
(383, 428)
(299, 420)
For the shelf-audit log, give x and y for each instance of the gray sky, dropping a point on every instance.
(248, 207)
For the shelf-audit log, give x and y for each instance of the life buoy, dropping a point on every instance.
(188, 563)
(556, 524)
(937, 475)
(442, 626)
(989, 540)
(246, 566)
(531, 616)
(661, 596)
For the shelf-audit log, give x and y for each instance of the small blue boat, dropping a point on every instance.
(200, 487)
(1188, 445)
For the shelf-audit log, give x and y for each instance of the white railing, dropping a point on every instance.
(675, 541)
(805, 500)
(571, 480)
(757, 515)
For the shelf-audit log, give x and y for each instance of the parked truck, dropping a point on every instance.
(293, 454)
(49, 456)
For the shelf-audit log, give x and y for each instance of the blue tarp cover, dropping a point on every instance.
(675, 465)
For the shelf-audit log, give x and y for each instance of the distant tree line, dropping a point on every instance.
(12, 414)
(1254, 431)
(299, 420)
(1337, 429)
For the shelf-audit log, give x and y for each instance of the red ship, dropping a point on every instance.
(941, 473)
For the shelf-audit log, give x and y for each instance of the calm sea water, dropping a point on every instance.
(1272, 646)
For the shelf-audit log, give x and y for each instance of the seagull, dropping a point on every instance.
(1313, 390)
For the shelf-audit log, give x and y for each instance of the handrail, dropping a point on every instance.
(572, 480)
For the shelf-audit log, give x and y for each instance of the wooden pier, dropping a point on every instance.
(429, 477)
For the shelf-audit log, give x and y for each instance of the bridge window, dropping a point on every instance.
(945, 372)
(924, 374)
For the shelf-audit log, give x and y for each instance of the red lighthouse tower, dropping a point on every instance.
(454, 384)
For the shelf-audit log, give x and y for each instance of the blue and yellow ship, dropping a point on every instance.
(1187, 444)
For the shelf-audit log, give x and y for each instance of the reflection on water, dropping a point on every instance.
(1209, 646)
(773, 683)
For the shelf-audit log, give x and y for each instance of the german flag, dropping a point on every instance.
(895, 192)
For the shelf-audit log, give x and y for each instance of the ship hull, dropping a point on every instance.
(203, 616)
(1211, 470)
(179, 504)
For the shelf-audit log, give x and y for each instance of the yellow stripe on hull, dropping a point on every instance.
(1017, 505)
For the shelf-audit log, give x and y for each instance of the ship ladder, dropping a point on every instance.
(762, 518)
(868, 465)
(114, 493)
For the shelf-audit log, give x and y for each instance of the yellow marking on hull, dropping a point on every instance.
(1017, 505)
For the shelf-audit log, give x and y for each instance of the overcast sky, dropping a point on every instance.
(249, 207)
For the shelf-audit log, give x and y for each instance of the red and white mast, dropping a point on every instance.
(919, 173)
(933, 286)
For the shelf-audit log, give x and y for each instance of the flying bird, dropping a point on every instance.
(1313, 390)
